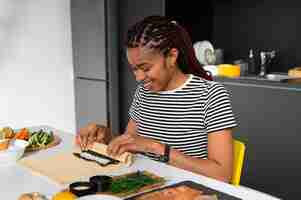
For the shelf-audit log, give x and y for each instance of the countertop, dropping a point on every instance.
(16, 179)
(244, 81)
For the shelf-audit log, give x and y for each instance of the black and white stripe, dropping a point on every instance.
(183, 117)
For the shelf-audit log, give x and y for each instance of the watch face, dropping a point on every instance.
(163, 158)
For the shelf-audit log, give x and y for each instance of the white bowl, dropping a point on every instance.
(204, 52)
(14, 152)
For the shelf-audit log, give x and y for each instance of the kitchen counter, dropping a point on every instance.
(16, 179)
(245, 81)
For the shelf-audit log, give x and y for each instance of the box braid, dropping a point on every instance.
(163, 34)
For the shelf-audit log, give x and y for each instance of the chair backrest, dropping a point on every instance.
(239, 154)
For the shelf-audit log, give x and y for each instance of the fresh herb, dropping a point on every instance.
(132, 183)
(40, 138)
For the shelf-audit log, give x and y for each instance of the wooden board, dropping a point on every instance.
(56, 140)
(64, 168)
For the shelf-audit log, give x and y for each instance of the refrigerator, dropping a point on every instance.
(94, 31)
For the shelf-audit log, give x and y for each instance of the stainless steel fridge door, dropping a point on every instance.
(95, 58)
(90, 102)
(89, 38)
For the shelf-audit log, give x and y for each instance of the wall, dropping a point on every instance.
(261, 25)
(36, 69)
(197, 20)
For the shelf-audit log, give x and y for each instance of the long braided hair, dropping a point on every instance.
(162, 33)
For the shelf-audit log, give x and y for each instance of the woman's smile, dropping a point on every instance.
(147, 85)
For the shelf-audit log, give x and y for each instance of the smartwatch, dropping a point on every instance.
(165, 157)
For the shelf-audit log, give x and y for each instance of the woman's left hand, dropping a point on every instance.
(130, 143)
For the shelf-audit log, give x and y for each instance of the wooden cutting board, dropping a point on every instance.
(65, 168)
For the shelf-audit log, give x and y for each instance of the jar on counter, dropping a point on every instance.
(244, 70)
(219, 56)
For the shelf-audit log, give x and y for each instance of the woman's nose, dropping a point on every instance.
(139, 75)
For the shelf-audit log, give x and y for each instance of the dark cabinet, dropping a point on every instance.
(270, 127)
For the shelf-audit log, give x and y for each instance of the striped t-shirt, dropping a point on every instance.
(183, 117)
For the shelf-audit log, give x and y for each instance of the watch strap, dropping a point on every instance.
(167, 153)
(165, 157)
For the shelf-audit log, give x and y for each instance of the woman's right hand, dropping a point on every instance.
(92, 133)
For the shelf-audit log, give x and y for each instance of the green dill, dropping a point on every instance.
(132, 183)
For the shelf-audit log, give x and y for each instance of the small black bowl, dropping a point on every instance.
(82, 188)
(102, 183)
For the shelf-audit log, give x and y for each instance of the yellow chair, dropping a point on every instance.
(239, 154)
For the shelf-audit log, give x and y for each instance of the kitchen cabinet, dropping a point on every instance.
(95, 48)
(268, 122)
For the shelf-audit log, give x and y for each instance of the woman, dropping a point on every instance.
(178, 115)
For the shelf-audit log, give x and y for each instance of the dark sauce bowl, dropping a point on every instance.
(101, 183)
(82, 188)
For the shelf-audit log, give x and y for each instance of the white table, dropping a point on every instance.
(15, 179)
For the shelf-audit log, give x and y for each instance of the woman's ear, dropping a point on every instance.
(172, 57)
